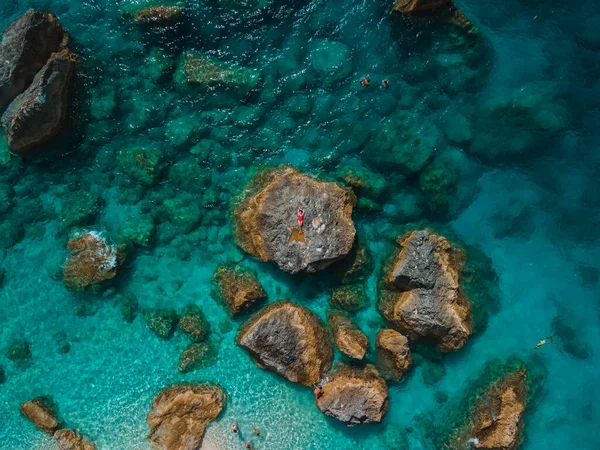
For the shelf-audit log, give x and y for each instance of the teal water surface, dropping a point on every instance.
(489, 133)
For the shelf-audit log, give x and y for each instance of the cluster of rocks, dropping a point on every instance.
(43, 413)
(36, 68)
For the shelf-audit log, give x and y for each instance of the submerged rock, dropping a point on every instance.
(568, 338)
(2, 375)
(350, 298)
(331, 59)
(289, 340)
(159, 15)
(93, 259)
(348, 338)
(38, 114)
(61, 342)
(180, 414)
(42, 412)
(414, 6)
(142, 164)
(19, 352)
(129, 306)
(422, 293)
(161, 321)
(72, 440)
(237, 289)
(266, 225)
(354, 396)
(27, 44)
(393, 354)
(355, 267)
(197, 356)
(194, 324)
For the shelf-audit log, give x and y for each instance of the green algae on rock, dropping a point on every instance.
(194, 324)
(394, 357)
(237, 289)
(348, 338)
(138, 231)
(350, 298)
(289, 340)
(161, 321)
(80, 208)
(180, 414)
(265, 220)
(159, 15)
(69, 439)
(355, 267)
(196, 356)
(141, 164)
(42, 412)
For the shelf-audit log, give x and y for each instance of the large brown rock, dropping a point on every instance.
(93, 259)
(422, 294)
(266, 226)
(237, 289)
(38, 114)
(348, 338)
(354, 396)
(180, 414)
(42, 412)
(393, 354)
(26, 45)
(72, 440)
(289, 340)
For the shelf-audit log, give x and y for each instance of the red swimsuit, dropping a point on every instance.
(300, 217)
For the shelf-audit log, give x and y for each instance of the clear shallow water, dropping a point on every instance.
(510, 116)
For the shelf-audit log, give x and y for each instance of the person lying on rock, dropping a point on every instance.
(300, 218)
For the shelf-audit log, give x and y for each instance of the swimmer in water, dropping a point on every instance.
(234, 428)
(548, 340)
(365, 81)
(385, 83)
(256, 431)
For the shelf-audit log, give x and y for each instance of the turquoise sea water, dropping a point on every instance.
(504, 121)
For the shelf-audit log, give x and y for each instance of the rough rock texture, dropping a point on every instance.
(27, 44)
(416, 6)
(348, 338)
(354, 396)
(72, 440)
(194, 324)
(93, 259)
(180, 414)
(393, 354)
(39, 112)
(161, 321)
(42, 412)
(197, 356)
(265, 221)
(159, 15)
(350, 298)
(238, 289)
(289, 340)
(422, 295)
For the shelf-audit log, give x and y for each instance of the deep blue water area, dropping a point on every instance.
(488, 131)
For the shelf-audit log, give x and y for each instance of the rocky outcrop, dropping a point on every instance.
(180, 414)
(237, 289)
(348, 338)
(72, 440)
(161, 321)
(159, 15)
(393, 354)
(93, 259)
(194, 324)
(38, 114)
(289, 340)
(266, 225)
(417, 6)
(354, 396)
(42, 412)
(26, 46)
(422, 294)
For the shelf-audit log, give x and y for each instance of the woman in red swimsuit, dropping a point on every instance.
(300, 218)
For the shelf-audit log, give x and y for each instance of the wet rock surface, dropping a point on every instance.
(354, 396)
(393, 354)
(289, 340)
(42, 412)
(348, 338)
(180, 413)
(237, 289)
(197, 356)
(422, 294)
(72, 440)
(194, 324)
(159, 15)
(161, 321)
(266, 222)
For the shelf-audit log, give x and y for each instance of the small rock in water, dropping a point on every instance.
(129, 306)
(159, 15)
(348, 338)
(19, 352)
(42, 411)
(350, 298)
(237, 289)
(197, 356)
(161, 321)
(194, 324)
(72, 440)
(393, 354)
(61, 342)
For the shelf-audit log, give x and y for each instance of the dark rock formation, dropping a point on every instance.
(194, 324)
(393, 354)
(61, 342)
(237, 289)
(19, 352)
(354, 396)
(415, 6)
(265, 221)
(2, 375)
(161, 321)
(355, 267)
(422, 294)
(42, 412)
(72, 440)
(350, 298)
(569, 339)
(93, 259)
(27, 44)
(197, 356)
(348, 338)
(129, 306)
(289, 340)
(180, 414)
(39, 112)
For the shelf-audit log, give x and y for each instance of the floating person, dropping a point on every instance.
(234, 428)
(548, 340)
(256, 431)
(300, 218)
(365, 81)
(385, 83)
(248, 446)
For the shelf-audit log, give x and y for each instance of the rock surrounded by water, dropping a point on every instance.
(354, 396)
(422, 295)
(93, 259)
(72, 440)
(39, 113)
(238, 289)
(42, 412)
(26, 46)
(158, 15)
(266, 220)
(348, 338)
(393, 354)
(289, 340)
(180, 414)
(416, 6)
